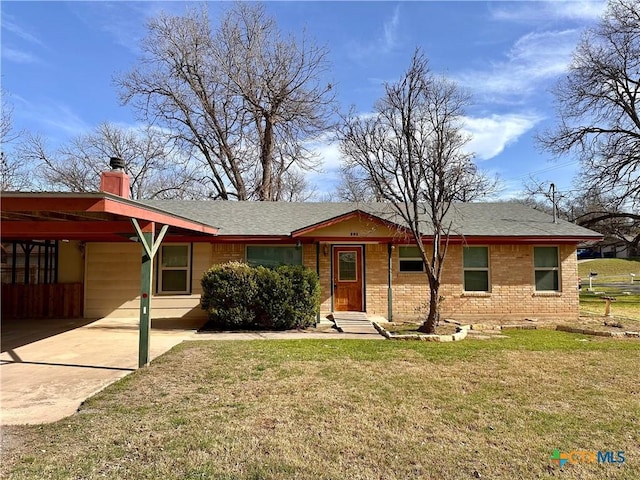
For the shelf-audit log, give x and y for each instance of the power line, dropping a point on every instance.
(548, 169)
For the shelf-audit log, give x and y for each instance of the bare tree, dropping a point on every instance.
(14, 172)
(244, 96)
(607, 215)
(412, 151)
(356, 186)
(597, 105)
(156, 168)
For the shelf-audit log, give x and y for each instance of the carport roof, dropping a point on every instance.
(86, 216)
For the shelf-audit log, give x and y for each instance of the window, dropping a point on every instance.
(30, 262)
(545, 261)
(347, 267)
(410, 259)
(174, 274)
(476, 269)
(270, 256)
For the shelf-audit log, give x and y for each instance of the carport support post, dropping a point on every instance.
(149, 249)
(389, 282)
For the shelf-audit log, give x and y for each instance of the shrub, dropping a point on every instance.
(228, 293)
(239, 296)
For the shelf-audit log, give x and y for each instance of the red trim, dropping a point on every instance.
(40, 203)
(348, 216)
(141, 213)
(504, 240)
(53, 229)
(97, 203)
(253, 239)
(360, 240)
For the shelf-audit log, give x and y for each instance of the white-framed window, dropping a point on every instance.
(546, 269)
(475, 262)
(273, 255)
(174, 268)
(410, 259)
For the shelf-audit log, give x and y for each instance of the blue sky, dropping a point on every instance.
(59, 60)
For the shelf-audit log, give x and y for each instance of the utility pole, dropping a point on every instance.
(553, 202)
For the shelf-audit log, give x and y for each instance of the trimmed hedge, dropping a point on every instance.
(239, 296)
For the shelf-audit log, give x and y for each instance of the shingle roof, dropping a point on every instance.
(502, 219)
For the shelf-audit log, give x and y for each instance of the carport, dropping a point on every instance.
(41, 221)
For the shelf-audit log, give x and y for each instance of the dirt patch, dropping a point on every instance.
(409, 328)
(10, 440)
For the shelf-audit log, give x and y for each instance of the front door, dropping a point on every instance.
(347, 279)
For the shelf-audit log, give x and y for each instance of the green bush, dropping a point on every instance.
(228, 293)
(236, 295)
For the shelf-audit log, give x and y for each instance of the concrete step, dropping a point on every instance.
(353, 322)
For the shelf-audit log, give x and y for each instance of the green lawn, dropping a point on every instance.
(627, 306)
(611, 271)
(615, 269)
(352, 409)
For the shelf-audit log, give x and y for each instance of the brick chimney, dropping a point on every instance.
(115, 181)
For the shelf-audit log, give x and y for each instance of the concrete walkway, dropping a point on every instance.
(49, 367)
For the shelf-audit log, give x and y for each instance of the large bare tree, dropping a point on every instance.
(411, 152)
(597, 104)
(243, 95)
(155, 167)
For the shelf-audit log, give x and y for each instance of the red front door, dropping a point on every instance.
(347, 279)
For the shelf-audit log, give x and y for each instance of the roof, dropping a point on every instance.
(502, 219)
(87, 216)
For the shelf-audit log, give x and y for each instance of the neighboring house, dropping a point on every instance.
(609, 247)
(505, 261)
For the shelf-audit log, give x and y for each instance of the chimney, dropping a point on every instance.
(115, 181)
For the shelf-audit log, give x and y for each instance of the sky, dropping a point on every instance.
(59, 59)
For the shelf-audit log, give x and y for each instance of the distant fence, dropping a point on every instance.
(48, 300)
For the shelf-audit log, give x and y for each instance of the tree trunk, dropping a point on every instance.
(429, 325)
(266, 158)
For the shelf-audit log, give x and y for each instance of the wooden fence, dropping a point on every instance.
(49, 300)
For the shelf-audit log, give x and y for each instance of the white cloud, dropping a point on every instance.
(491, 135)
(18, 56)
(9, 25)
(535, 58)
(325, 179)
(57, 119)
(329, 155)
(391, 30)
(384, 43)
(550, 10)
(124, 22)
(21, 35)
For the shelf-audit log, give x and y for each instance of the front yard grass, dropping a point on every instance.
(627, 306)
(352, 409)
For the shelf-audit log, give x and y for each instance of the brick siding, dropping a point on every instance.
(512, 294)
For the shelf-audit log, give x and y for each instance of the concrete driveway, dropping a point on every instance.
(48, 367)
